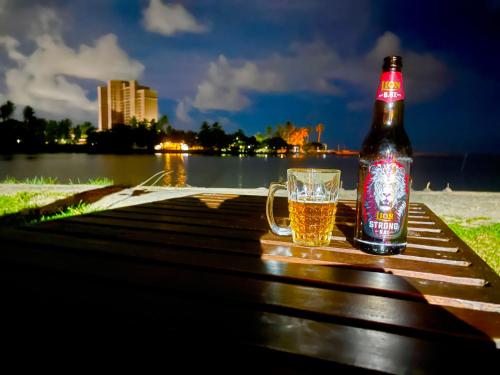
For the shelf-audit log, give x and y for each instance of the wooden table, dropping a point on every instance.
(204, 276)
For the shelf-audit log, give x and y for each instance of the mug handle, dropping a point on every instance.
(280, 231)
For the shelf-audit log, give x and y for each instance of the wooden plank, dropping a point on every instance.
(212, 269)
(345, 279)
(197, 218)
(442, 259)
(405, 268)
(364, 311)
(269, 245)
(306, 345)
(240, 221)
(96, 239)
(195, 230)
(247, 226)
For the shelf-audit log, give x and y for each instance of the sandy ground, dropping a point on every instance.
(448, 204)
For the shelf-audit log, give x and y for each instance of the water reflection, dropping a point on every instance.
(175, 165)
(478, 172)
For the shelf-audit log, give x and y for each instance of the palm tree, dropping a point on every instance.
(28, 114)
(309, 131)
(319, 129)
(163, 122)
(7, 110)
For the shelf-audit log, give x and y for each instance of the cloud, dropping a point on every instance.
(182, 111)
(316, 67)
(46, 78)
(307, 68)
(3, 4)
(168, 19)
(425, 76)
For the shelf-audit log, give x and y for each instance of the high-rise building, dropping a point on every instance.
(120, 101)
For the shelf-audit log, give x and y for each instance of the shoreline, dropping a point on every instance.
(84, 149)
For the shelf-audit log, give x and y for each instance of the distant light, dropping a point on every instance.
(18, 140)
(184, 147)
(158, 147)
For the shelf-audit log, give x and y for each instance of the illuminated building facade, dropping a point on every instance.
(120, 101)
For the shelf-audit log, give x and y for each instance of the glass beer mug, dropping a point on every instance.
(312, 203)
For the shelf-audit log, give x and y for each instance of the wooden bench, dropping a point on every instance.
(205, 276)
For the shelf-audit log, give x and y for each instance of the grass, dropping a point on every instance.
(78, 209)
(101, 181)
(10, 204)
(31, 181)
(14, 204)
(483, 239)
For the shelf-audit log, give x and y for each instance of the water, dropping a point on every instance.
(463, 172)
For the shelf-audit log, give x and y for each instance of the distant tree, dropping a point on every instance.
(169, 130)
(280, 131)
(191, 138)
(205, 135)
(121, 138)
(298, 136)
(238, 142)
(7, 110)
(31, 130)
(77, 133)
(260, 137)
(51, 132)
(28, 114)
(284, 131)
(141, 134)
(87, 128)
(276, 143)
(319, 129)
(269, 131)
(289, 128)
(155, 126)
(213, 137)
(34, 134)
(239, 135)
(220, 138)
(134, 122)
(163, 122)
(309, 132)
(10, 132)
(64, 129)
(252, 144)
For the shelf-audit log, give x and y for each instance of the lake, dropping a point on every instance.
(463, 172)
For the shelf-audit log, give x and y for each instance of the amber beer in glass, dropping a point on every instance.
(312, 203)
(384, 169)
(311, 222)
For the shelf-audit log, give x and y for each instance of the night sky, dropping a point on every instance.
(250, 64)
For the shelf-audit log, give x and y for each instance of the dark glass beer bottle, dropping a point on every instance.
(384, 170)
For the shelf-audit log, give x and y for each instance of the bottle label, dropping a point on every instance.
(390, 88)
(385, 198)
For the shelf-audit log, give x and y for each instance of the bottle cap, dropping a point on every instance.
(392, 63)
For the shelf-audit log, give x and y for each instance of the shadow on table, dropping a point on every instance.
(191, 270)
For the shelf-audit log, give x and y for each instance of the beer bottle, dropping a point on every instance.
(384, 170)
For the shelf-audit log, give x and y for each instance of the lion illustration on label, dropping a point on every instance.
(386, 192)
